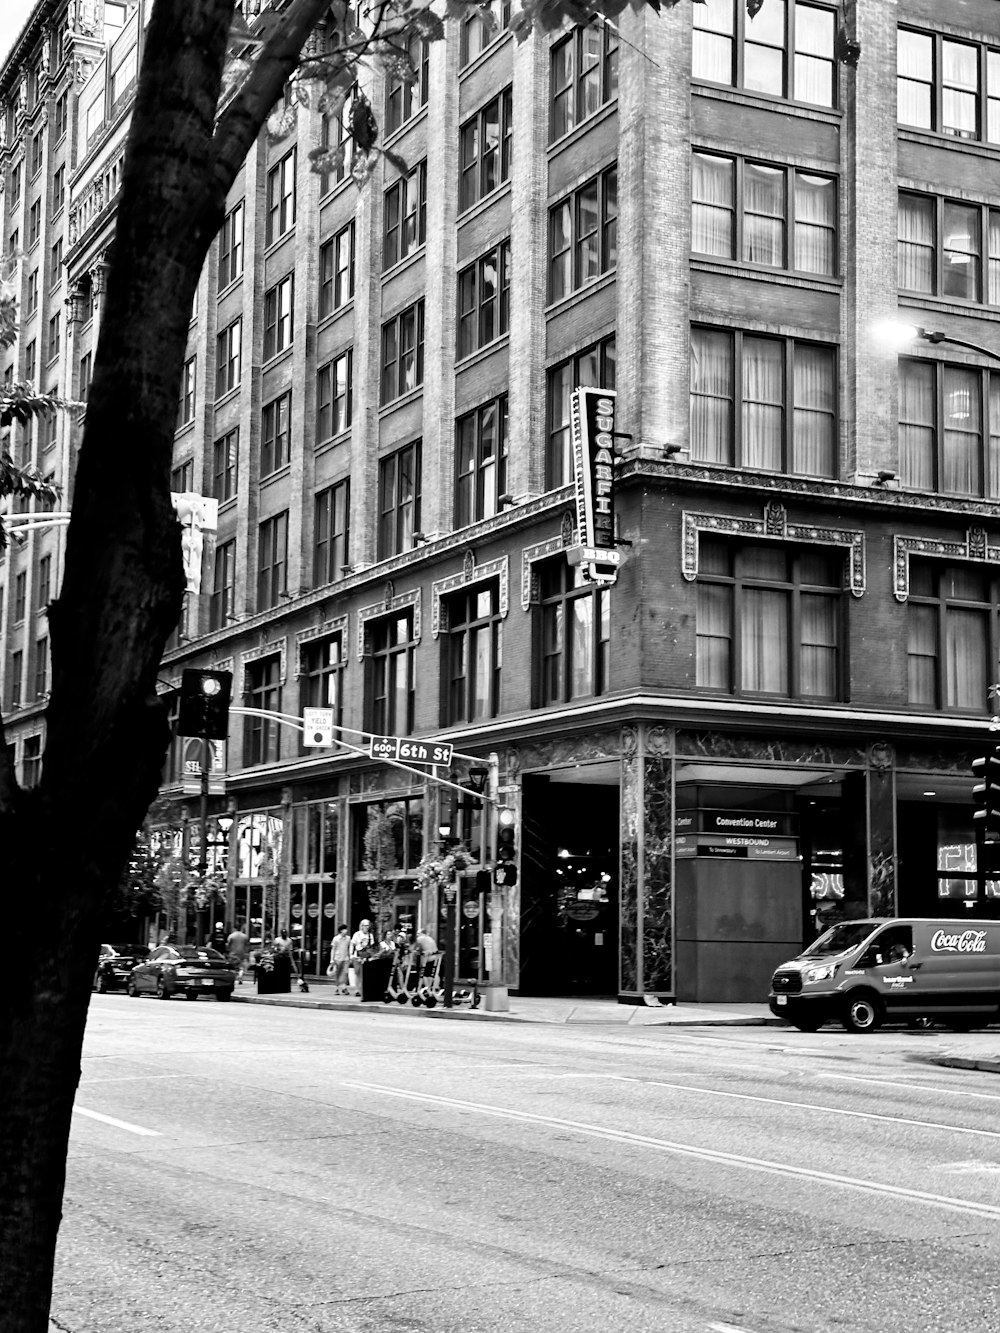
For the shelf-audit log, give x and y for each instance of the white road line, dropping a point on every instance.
(118, 1124)
(727, 1328)
(966, 1206)
(908, 1087)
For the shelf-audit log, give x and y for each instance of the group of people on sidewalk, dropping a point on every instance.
(348, 953)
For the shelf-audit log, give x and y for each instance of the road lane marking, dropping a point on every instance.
(118, 1124)
(786, 1169)
(908, 1087)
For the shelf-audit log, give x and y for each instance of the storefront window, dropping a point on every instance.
(956, 859)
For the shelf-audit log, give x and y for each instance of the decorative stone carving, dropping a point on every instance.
(326, 629)
(471, 573)
(567, 532)
(390, 593)
(975, 547)
(659, 740)
(881, 755)
(393, 603)
(629, 740)
(469, 566)
(530, 556)
(775, 519)
(277, 648)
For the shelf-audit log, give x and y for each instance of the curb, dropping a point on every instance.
(962, 1062)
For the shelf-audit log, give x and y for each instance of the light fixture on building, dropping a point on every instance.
(477, 778)
(671, 449)
(883, 476)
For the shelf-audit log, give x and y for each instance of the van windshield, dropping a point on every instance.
(838, 939)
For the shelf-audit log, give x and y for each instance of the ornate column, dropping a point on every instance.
(882, 890)
(646, 871)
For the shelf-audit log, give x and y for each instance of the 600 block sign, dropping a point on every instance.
(414, 752)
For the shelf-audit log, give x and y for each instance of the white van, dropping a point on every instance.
(863, 973)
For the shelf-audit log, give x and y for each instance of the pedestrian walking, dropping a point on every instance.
(236, 946)
(340, 959)
(362, 946)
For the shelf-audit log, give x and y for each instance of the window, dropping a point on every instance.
(321, 677)
(403, 352)
(594, 366)
(398, 500)
(35, 154)
(278, 328)
(333, 396)
(182, 477)
(123, 77)
(762, 214)
(86, 371)
(15, 183)
(583, 235)
(52, 347)
(14, 244)
(274, 437)
(185, 413)
(949, 428)
(16, 678)
(262, 735)
(785, 50)
(767, 403)
(336, 271)
(61, 115)
(952, 639)
(584, 75)
(31, 296)
(479, 30)
(335, 145)
(41, 667)
(331, 530)
(473, 655)
(939, 86)
(227, 358)
(47, 425)
(31, 765)
(31, 361)
(222, 605)
(34, 223)
(940, 248)
(58, 189)
(20, 596)
(55, 266)
(231, 247)
(272, 561)
(769, 620)
(480, 462)
(43, 592)
(389, 677)
(405, 96)
(405, 216)
(573, 633)
(484, 300)
(485, 150)
(281, 198)
(225, 456)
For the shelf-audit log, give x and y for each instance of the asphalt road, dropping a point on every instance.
(311, 1172)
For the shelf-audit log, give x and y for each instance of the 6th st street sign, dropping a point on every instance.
(414, 752)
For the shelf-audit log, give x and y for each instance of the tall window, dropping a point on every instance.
(473, 655)
(31, 765)
(595, 366)
(398, 500)
(186, 398)
(405, 216)
(278, 317)
(768, 403)
(182, 477)
(769, 620)
(763, 214)
(335, 146)
(225, 456)
(952, 639)
(41, 667)
(480, 29)
(227, 358)
(222, 606)
(86, 371)
(480, 462)
(61, 115)
(947, 248)
(31, 299)
(584, 75)
(785, 50)
(58, 189)
(321, 676)
(272, 561)
(281, 198)
(274, 436)
(331, 533)
(949, 428)
(405, 96)
(231, 247)
(31, 364)
(484, 150)
(16, 679)
(484, 299)
(334, 396)
(52, 346)
(583, 235)
(20, 596)
(35, 153)
(403, 352)
(389, 673)
(336, 271)
(43, 590)
(55, 264)
(947, 86)
(262, 735)
(34, 222)
(573, 634)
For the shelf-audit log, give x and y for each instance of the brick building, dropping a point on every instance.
(768, 721)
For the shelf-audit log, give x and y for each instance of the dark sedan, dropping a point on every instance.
(183, 969)
(115, 964)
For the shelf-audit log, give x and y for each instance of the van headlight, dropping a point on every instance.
(821, 972)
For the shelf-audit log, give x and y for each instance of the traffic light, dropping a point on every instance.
(204, 710)
(986, 792)
(505, 871)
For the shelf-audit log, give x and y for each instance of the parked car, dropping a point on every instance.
(183, 969)
(114, 964)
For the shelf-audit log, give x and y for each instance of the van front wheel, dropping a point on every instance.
(863, 1013)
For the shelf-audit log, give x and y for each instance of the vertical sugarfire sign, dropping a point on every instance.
(593, 425)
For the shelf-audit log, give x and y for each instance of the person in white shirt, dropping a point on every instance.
(362, 943)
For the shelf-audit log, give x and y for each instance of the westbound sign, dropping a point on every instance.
(413, 752)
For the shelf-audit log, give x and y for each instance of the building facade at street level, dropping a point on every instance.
(767, 720)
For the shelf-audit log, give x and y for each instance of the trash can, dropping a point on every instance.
(274, 975)
(375, 974)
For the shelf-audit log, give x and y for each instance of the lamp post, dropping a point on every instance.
(450, 890)
(897, 333)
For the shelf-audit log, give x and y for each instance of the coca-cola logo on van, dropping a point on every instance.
(966, 941)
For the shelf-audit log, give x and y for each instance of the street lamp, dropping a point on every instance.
(898, 333)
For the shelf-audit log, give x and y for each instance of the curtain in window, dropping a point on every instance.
(914, 66)
(712, 657)
(581, 646)
(916, 425)
(482, 675)
(922, 655)
(764, 50)
(960, 93)
(553, 638)
(814, 64)
(993, 462)
(763, 215)
(915, 243)
(763, 399)
(961, 250)
(764, 641)
(966, 636)
(711, 396)
(814, 447)
(962, 463)
(815, 224)
(712, 205)
(818, 660)
(712, 48)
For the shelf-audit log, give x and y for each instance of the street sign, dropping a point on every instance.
(411, 752)
(318, 726)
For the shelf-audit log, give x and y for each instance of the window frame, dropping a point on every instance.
(560, 587)
(187, 397)
(986, 100)
(404, 216)
(474, 165)
(476, 305)
(390, 644)
(222, 602)
(331, 543)
(573, 90)
(332, 420)
(279, 317)
(321, 683)
(231, 252)
(275, 434)
(572, 266)
(558, 442)
(272, 561)
(405, 97)
(396, 354)
(228, 358)
(262, 735)
(336, 278)
(399, 510)
(459, 679)
(480, 479)
(987, 264)
(225, 465)
(988, 457)
(941, 603)
(280, 198)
